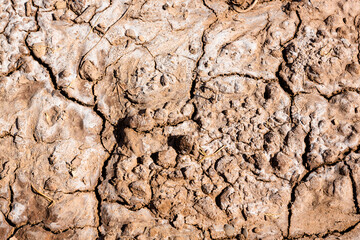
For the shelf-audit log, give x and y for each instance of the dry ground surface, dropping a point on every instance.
(192, 119)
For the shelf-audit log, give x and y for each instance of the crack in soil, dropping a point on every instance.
(354, 188)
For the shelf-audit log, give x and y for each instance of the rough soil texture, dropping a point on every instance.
(192, 119)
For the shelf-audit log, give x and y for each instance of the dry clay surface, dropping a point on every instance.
(192, 119)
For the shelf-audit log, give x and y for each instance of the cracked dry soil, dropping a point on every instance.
(192, 119)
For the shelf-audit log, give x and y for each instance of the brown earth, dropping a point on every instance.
(192, 119)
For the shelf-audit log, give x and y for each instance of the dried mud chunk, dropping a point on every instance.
(133, 141)
(77, 5)
(5, 167)
(314, 73)
(166, 158)
(163, 206)
(322, 57)
(4, 204)
(353, 68)
(38, 232)
(133, 229)
(73, 210)
(27, 206)
(33, 233)
(353, 161)
(179, 221)
(55, 123)
(130, 33)
(225, 198)
(334, 21)
(207, 187)
(39, 49)
(231, 201)
(65, 45)
(352, 234)
(141, 194)
(281, 163)
(115, 216)
(125, 165)
(228, 44)
(169, 194)
(324, 202)
(332, 126)
(260, 160)
(217, 231)
(52, 184)
(123, 191)
(166, 42)
(142, 121)
(184, 144)
(229, 230)
(228, 167)
(60, 5)
(5, 228)
(190, 172)
(207, 207)
(107, 137)
(142, 172)
(89, 71)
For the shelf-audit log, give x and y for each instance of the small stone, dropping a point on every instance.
(164, 80)
(133, 229)
(207, 188)
(51, 184)
(206, 206)
(162, 206)
(28, 9)
(184, 144)
(167, 158)
(189, 172)
(141, 237)
(187, 110)
(192, 49)
(130, 33)
(39, 49)
(165, 6)
(281, 162)
(353, 68)
(229, 168)
(141, 190)
(141, 38)
(276, 53)
(142, 122)
(60, 5)
(133, 141)
(64, 74)
(314, 73)
(229, 230)
(89, 71)
(244, 232)
(179, 221)
(225, 198)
